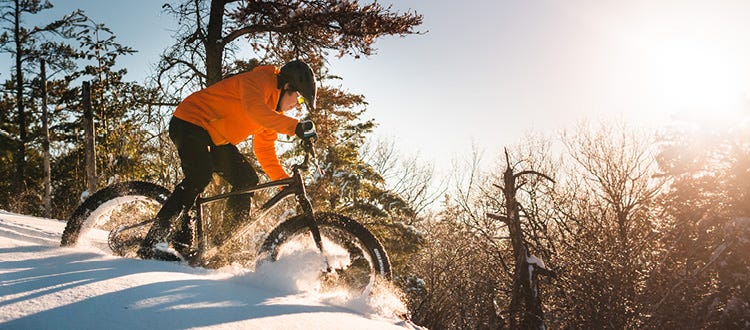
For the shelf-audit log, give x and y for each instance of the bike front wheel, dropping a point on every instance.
(116, 218)
(354, 256)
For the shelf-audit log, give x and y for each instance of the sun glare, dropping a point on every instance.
(690, 74)
(691, 62)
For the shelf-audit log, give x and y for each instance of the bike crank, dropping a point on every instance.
(125, 240)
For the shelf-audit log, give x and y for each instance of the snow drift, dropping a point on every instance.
(43, 286)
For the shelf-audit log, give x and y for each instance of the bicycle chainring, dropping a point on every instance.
(125, 241)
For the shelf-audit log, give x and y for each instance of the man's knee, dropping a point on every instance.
(246, 180)
(193, 186)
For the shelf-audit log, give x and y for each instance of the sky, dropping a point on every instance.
(44, 286)
(489, 72)
(485, 73)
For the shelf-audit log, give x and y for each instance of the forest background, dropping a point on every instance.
(604, 225)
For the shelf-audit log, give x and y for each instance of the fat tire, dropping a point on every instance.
(122, 189)
(299, 224)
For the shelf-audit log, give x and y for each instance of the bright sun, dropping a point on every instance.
(692, 62)
(686, 73)
(667, 60)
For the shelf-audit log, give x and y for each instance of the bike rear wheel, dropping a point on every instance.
(356, 257)
(122, 211)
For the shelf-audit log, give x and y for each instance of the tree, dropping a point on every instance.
(611, 225)
(275, 31)
(122, 141)
(702, 279)
(125, 146)
(405, 177)
(484, 251)
(525, 298)
(74, 47)
(455, 282)
(27, 45)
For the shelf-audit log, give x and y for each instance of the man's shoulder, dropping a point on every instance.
(256, 72)
(261, 75)
(264, 71)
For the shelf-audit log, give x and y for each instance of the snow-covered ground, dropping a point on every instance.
(44, 286)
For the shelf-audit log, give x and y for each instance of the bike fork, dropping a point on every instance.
(314, 229)
(306, 206)
(315, 232)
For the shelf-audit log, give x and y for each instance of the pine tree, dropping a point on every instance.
(210, 34)
(125, 147)
(28, 45)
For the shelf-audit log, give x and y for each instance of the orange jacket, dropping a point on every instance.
(234, 108)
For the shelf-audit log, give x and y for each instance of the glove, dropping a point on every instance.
(305, 130)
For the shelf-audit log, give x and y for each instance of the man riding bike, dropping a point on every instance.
(206, 127)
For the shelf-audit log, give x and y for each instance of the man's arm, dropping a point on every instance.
(264, 147)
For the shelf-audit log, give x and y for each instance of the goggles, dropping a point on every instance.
(300, 99)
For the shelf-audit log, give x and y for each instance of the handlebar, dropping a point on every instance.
(306, 129)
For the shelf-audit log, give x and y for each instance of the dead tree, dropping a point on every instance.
(525, 294)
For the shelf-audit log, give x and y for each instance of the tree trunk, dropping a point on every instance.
(88, 126)
(525, 292)
(214, 43)
(45, 145)
(21, 154)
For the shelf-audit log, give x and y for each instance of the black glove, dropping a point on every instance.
(305, 130)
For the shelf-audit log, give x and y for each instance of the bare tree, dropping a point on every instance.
(525, 298)
(510, 227)
(455, 285)
(610, 212)
(405, 176)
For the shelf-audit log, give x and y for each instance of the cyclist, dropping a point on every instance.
(208, 124)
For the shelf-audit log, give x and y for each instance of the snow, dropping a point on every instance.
(533, 260)
(84, 195)
(44, 286)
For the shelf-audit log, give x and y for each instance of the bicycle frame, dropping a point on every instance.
(293, 185)
(127, 210)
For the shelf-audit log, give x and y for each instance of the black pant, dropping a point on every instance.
(200, 158)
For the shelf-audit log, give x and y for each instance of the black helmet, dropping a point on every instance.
(300, 77)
